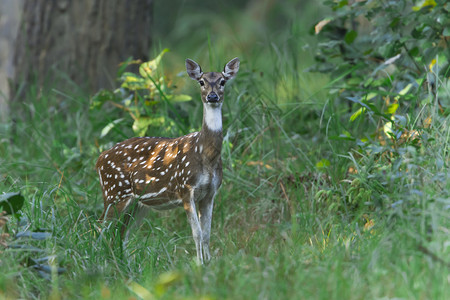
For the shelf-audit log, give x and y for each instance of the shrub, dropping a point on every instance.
(389, 61)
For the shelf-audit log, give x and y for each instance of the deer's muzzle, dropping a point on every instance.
(212, 97)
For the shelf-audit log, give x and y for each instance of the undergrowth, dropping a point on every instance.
(313, 204)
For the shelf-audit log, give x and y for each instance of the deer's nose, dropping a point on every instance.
(212, 97)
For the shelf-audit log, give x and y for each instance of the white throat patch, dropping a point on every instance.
(213, 116)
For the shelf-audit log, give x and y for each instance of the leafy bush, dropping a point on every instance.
(389, 60)
(142, 97)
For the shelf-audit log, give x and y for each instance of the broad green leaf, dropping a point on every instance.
(427, 3)
(346, 133)
(394, 22)
(179, 98)
(357, 114)
(350, 36)
(11, 202)
(323, 163)
(370, 96)
(387, 128)
(130, 77)
(147, 69)
(101, 97)
(141, 124)
(391, 109)
(342, 3)
(133, 82)
(368, 81)
(414, 51)
(446, 31)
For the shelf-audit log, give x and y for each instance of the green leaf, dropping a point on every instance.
(371, 95)
(350, 36)
(405, 90)
(100, 98)
(394, 22)
(323, 163)
(179, 98)
(11, 202)
(414, 51)
(141, 124)
(342, 3)
(147, 69)
(391, 109)
(357, 114)
(133, 82)
(446, 31)
(427, 3)
(387, 128)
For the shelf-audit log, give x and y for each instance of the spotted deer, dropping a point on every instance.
(164, 173)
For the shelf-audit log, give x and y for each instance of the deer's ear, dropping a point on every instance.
(193, 69)
(231, 68)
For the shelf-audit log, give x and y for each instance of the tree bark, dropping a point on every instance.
(84, 39)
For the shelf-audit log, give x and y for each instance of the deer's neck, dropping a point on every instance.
(211, 134)
(212, 117)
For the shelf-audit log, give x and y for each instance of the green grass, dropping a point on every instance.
(282, 228)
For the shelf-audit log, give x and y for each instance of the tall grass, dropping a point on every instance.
(277, 233)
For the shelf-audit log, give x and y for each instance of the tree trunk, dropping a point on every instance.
(9, 23)
(83, 39)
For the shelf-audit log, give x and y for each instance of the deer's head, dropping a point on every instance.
(212, 84)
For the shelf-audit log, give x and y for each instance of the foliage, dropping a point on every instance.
(141, 96)
(300, 215)
(11, 203)
(390, 61)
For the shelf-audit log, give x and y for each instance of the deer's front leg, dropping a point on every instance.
(189, 207)
(205, 212)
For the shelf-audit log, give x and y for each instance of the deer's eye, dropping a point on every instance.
(222, 82)
(202, 83)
